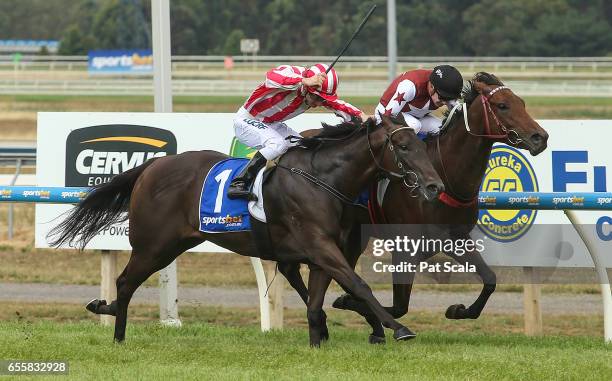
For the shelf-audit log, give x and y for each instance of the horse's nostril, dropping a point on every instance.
(435, 189)
(536, 139)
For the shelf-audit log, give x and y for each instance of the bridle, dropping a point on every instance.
(507, 134)
(405, 173)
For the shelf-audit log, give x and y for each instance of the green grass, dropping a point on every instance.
(201, 351)
(418, 320)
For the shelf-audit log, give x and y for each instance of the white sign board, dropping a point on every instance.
(249, 45)
(65, 160)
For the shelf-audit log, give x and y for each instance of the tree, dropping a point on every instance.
(505, 28)
(232, 43)
(572, 34)
(183, 29)
(76, 42)
(121, 24)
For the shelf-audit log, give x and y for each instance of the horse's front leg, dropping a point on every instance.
(291, 271)
(489, 280)
(402, 289)
(318, 282)
(331, 260)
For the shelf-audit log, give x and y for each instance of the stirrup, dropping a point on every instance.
(241, 193)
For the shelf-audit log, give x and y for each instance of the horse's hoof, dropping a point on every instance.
(324, 335)
(341, 302)
(403, 334)
(456, 311)
(94, 305)
(372, 339)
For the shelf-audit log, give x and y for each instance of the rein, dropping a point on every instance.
(387, 173)
(510, 135)
(323, 185)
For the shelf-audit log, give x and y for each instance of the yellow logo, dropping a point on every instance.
(508, 170)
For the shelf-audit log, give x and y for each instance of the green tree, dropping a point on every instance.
(76, 42)
(232, 43)
(573, 33)
(121, 24)
(183, 30)
(505, 28)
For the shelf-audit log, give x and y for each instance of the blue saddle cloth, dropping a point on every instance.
(219, 214)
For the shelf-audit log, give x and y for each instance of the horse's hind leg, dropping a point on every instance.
(139, 268)
(100, 306)
(489, 280)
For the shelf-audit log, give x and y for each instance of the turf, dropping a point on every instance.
(202, 351)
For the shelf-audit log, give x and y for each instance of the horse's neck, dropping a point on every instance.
(464, 158)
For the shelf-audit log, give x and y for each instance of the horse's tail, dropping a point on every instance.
(103, 206)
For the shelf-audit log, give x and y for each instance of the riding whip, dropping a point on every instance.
(352, 38)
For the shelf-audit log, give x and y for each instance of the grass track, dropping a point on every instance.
(201, 351)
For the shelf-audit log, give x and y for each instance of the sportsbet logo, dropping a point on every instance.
(95, 154)
(238, 149)
(507, 171)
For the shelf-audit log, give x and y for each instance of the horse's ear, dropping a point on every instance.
(481, 87)
(386, 121)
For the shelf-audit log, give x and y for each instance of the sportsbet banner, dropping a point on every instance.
(85, 149)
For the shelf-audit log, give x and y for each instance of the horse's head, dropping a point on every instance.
(503, 116)
(409, 155)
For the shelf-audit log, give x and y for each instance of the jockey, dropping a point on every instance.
(287, 92)
(414, 94)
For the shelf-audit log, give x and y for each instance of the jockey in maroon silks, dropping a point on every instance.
(416, 93)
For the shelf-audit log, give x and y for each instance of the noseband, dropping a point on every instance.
(406, 174)
(507, 134)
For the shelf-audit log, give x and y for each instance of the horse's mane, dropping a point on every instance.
(468, 93)
(335, 134)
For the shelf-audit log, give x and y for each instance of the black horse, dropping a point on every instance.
(306, 214)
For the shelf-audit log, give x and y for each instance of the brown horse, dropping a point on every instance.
(306, 199)
(460, 156)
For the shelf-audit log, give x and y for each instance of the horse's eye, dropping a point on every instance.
(502, 106)
(403, 147)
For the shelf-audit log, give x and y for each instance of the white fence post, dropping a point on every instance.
(532, 308)
(108, 288)
(262, 286)
(160, 16)
(602, 275)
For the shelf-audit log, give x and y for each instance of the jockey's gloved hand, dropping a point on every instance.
(315, 81)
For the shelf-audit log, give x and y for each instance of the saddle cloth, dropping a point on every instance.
(219, 214)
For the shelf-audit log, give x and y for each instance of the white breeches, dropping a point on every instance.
(423, 126)
(268, 138)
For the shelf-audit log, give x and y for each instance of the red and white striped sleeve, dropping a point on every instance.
(285, 77)
(343, 109)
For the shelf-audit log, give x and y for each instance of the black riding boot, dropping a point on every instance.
(240, 187)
